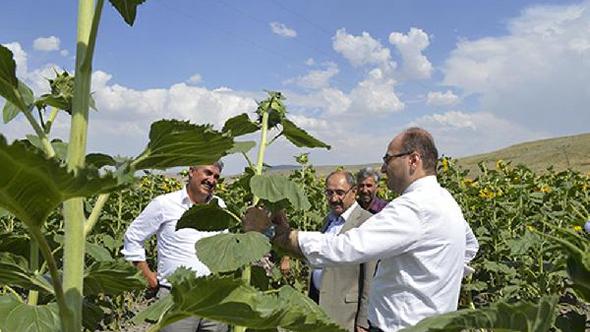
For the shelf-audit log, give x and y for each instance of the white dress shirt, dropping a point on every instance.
(334, 227)
(422, 242)
(175, 247)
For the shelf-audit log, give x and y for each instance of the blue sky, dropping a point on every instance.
(480, 75)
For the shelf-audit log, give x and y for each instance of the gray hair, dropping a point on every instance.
(347, 175)
(366, 172)
(218, 164)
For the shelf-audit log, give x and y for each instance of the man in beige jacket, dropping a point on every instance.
(343, 291)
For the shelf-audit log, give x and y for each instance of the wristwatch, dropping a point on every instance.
(270, 232)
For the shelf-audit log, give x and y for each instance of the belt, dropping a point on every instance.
(164, 286)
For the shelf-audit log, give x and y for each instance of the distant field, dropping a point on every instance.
(561, 153)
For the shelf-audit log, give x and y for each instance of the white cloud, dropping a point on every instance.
(64, 52)
(330, 101)
(362, 50)
(537, 75)
(410, 46)
(316, 79)
(458, 134)
(195, 79)
(437, 98)
(178, 101)
(309, 123)
(449, 120)
(282, 30)
(310, 62)
(46, 44)
(376, 94)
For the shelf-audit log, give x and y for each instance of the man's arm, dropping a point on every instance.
(471, 248)
(392, 231)
(143, 227)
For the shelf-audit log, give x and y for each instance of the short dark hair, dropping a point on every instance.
(419, 140)
(347, 175)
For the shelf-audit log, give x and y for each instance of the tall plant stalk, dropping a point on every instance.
(247, 272)
(74, 219)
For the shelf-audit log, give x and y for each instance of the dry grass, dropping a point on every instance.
(561, 153)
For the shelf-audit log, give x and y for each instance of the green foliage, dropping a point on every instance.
(275, 188)
(240, 125)
(28, 192)
(178, 143)
(207, 217)
(228, 252)
(233, 301)
(516, 216)
(300, 137)
(9, 84)
(127, 9)
(99, 160)
(274, 107)
(18, 316)
(112, 278)
(10, 110)
(155, 311)
(524, 317)
(242, 147)
(14, 270)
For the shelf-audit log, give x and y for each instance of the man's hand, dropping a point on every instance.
(359, 328)
(256, 219)
(149, 275)
(151, 279)
(285, 265)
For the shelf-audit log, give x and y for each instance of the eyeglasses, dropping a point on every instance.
(338, 192)
(387, 157)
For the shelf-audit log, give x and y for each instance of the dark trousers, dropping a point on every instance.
(373, 328)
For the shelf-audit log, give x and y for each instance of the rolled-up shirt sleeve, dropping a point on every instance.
(471, 248)
(144, 226)
(388, 233)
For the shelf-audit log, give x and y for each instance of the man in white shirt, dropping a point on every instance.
(421, 239)
(343, 291)
(175, 248)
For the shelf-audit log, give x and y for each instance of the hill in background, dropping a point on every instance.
(561, 153)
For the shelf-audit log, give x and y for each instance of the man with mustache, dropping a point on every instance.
(343, 291)
(176, 248)
(367, 181)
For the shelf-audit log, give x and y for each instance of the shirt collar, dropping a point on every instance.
(186, 200)
(426, 181)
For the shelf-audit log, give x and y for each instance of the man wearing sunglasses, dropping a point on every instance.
(421, 239)
(343, 291)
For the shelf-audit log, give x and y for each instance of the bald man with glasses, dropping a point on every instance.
(421, 239)
(343, 291)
